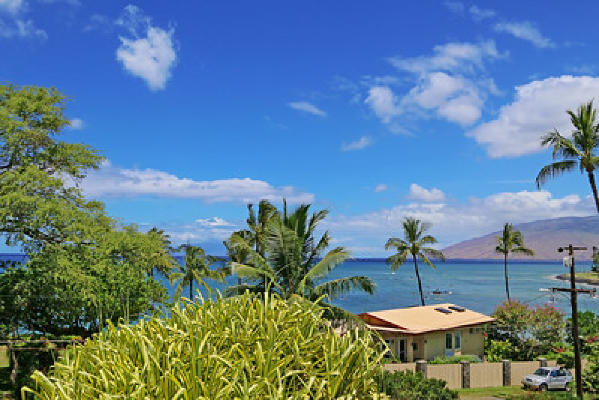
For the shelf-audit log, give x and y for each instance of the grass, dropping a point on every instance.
(588, 275)
(513, 392)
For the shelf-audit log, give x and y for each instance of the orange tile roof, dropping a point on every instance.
(417, 320)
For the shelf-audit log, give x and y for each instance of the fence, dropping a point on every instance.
(477, 375)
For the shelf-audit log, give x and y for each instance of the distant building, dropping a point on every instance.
(423, 333)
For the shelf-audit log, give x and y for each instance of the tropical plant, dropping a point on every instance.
(195, 268)
(531, 331)
(407, 385)
(243, 347)
(579, 151)
(257, 224)
(294, 262)
(590, 375)
(510, 241)
(413, 244)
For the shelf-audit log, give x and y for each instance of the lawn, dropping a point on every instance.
(513, 392)
(588, 275)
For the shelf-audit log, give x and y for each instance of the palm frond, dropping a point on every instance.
(324, 266)
(338, 287)
(553, 170)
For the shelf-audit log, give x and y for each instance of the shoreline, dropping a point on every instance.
(587, 281)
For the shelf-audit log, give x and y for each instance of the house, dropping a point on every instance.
(427, 332)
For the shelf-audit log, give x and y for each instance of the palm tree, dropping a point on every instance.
(196, 268)
(163, 261)
(579, 151)
(257, 224)
(414, 244)
(236, 253)
(510, 241)
(293, 262)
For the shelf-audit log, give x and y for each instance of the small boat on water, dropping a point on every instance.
(439, 291)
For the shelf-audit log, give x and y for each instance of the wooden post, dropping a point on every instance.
(507, 372)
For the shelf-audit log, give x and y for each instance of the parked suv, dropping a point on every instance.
(547, 378)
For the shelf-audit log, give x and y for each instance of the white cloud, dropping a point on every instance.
(453, 56)
(381, 188)
(418, 192)
(455, 222)
(359, 144)
(454, 6)
(12, 6)
(110, 181)
(479, 14)
(538, 107)
(213, 221)
(307, 107)
(383, 102)
(150, 57)
(20, 28)
(76, 124)
(526, 31)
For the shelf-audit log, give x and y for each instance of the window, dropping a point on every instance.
(553, 373)
(448, 341)
(414, 346)
(458, 340)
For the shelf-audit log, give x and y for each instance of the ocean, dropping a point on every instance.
(478, 285)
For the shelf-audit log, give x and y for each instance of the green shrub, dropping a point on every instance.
(590, 375)
(407, 385)
(247, 347)
(566, 358)
(497, 350)
(455, 359)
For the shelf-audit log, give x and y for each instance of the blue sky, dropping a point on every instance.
(374, 111)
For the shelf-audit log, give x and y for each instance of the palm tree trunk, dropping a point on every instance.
(507, 284)
(594, 187)
(418, 277)
(191, 290)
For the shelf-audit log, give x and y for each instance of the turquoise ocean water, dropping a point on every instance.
(478, 285)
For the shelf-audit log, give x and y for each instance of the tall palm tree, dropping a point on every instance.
(510, 241)
(294, 262)
(414, 243)
(236, 253)
(163, 261)
(196, 268)
(579, 151)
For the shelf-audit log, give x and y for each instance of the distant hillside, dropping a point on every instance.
(544, 237)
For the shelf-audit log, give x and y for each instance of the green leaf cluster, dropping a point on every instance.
(407, 385)
(242, 347)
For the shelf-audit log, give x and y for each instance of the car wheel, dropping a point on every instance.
(543, 387)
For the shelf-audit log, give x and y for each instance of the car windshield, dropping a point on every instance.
(541, 372)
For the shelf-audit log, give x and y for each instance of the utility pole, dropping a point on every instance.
(569, 261)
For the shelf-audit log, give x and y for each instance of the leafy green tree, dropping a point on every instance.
(236, 253)
(579, 151)
(413, 244)
(257, 224)
(71, 289)
(196, 268)
(294, 262)
(36, 206)
(510, 241)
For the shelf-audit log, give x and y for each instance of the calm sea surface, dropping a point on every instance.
(478, 285)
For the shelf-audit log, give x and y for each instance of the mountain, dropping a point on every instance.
(544, 237)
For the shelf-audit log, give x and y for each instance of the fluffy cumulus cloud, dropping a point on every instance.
(538, 107)
(451, 82)
(359, 144)
(526, 31)
(12, 6)
(307, 107)
(213, 221)
(110, 181)
(418, 192)
(454, 222)
(149, 53)
(381, 188)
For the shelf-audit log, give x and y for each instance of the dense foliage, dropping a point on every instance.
(247, 346)
(455, 359)
(407, 385)
(530, 331)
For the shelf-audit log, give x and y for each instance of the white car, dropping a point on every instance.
(548, 378)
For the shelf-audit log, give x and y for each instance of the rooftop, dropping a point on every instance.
(417, 320)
